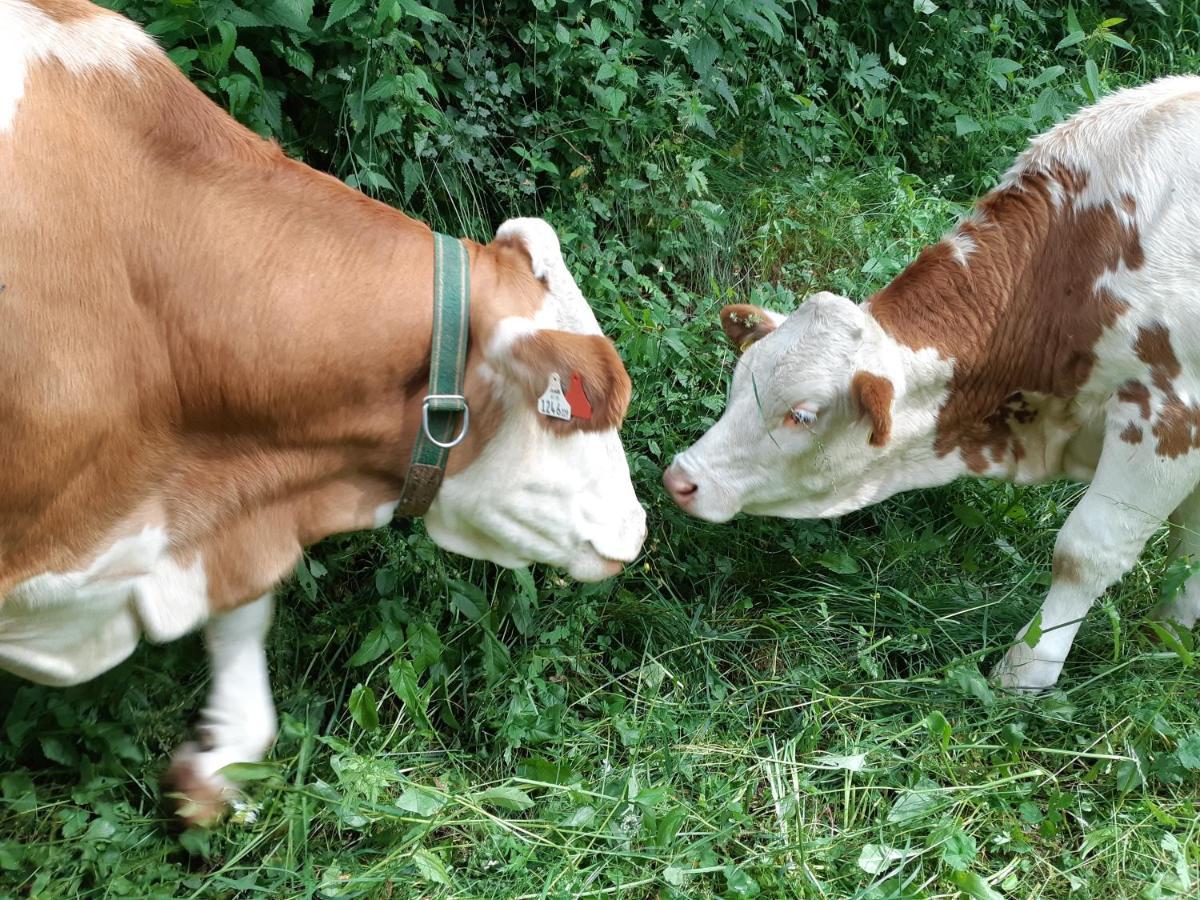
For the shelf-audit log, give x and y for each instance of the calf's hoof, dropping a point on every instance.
(1020, 670)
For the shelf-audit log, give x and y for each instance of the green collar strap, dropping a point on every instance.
(445, 417)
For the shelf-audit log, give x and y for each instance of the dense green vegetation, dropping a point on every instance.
(763, 709)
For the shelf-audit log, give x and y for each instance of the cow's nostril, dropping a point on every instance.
(681, 489)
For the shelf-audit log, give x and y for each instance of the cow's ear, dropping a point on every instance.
(744, 324)
(574, 381)
(872, 396)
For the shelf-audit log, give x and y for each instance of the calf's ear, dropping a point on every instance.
(583, 370)
(872, 396)
(744, 324)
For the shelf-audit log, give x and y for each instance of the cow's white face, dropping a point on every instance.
(815, 425)
(544, 489)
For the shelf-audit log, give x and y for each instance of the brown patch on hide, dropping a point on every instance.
(744, 324)
(1021, 315)
(1132, 433)
(1065, 568)
(593, 358)
(872, 395)
(1138, 394)
(1177, 428)
(66, 11)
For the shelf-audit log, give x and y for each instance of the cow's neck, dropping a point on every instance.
(297, 317)
(1013, 298)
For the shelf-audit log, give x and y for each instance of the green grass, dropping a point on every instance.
(770, 709)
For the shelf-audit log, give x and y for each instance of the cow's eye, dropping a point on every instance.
(802, 416)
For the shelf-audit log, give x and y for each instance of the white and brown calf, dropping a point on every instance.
(212, 356)
(1055, 332)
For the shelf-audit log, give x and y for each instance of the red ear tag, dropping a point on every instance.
(580, 408)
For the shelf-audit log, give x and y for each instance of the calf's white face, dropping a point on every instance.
(544, 489)
(809, 420)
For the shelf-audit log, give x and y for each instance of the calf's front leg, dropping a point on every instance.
(238, 722)
(1184, 608)
(1132, 493)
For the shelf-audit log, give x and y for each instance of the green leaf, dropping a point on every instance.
(1116, 40)
(363, 708)
(1092, 76)
(1188, 752)
(421, 801)
(703, 53)
(876, 858)
(1033, 632)
(536, 768)
(510, 798)
(374, 645)
(1130, 774)
(466, 600)
(1179, 570)
(841, 563)
(740, 883)
(1047, 75)
(925, 7)
(422, 13)
(293, 14)
(340, 9)
(975, 886)
(431, 867)
(967, 678)
(403, 679)
(1075, 37)
(999, 68)
(239, 772)
(968, 515)
(965, 125)
(1072, 19)
(183, 57)
(959, 849)
(304, 577)
(939, 728)
(1177, 641)
(915, 802)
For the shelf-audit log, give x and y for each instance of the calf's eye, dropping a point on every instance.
(802, 416)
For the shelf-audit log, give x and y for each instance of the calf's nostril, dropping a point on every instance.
(678, 486)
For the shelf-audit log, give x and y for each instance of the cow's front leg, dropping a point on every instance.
(238, 722)
(1131, 495)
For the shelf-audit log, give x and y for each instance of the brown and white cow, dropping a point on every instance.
(212, 356)
(1055, 332)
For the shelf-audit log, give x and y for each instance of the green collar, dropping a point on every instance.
(440, 411)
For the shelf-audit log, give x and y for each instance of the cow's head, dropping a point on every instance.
(818, 422)
(527, 486)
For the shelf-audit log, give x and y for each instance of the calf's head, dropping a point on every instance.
(815, 421)
(528, 486)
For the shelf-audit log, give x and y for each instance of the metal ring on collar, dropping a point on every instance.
(466, 422)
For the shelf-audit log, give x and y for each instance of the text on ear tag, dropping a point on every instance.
(577, 399)
(552, 403)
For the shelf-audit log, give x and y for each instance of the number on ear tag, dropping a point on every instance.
(552, 403)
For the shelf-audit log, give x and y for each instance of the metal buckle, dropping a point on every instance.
(466, 422)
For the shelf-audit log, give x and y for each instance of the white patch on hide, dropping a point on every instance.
(28, 36)
(569, 308)
(384, 513)
(962, 245)
(66, 628)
